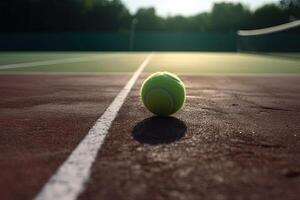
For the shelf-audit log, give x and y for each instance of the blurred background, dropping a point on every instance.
(132, 25)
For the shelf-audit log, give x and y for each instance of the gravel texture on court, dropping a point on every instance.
(42, 119)
(238, 137)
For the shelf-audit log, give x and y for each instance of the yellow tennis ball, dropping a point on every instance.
(163, 93)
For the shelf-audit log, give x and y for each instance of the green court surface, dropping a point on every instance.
(286, 55)
(21, 57)
(197, 63)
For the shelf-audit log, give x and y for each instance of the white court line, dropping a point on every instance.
(49, 62)
(70, 178)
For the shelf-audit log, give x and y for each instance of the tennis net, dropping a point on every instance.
(281, 38)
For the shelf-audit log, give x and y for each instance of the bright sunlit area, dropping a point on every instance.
(187, 7)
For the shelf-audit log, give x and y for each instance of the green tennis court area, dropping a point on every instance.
(190, 63)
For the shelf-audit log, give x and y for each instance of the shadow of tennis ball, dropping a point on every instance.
(159, 130)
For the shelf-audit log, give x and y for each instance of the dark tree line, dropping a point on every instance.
(112, 15)
(63, 15)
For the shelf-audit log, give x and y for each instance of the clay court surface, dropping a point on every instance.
(237, 137)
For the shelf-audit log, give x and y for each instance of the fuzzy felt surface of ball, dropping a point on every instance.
(163, 93)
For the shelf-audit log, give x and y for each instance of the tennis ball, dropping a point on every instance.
(163, 93)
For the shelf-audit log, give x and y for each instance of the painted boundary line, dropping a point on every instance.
(50, 62)
(70, 178)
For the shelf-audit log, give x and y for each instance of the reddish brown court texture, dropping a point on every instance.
(237, 137)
